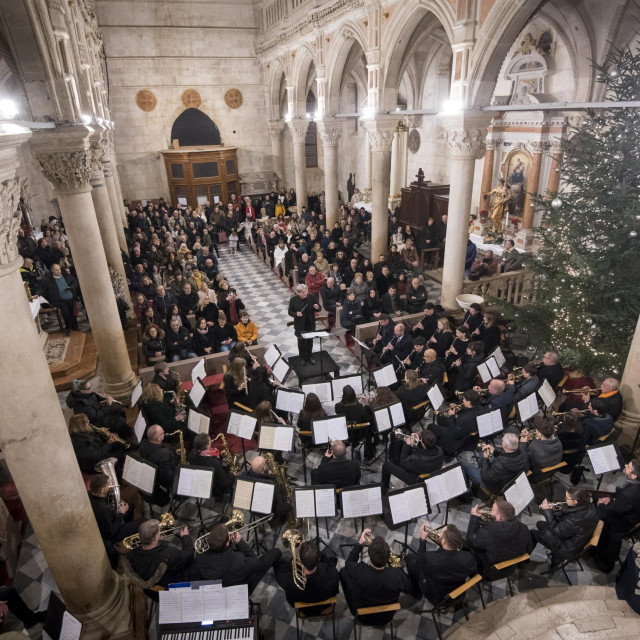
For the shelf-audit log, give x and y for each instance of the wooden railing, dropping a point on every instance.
(511, 287)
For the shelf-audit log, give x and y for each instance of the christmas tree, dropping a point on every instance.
(584, 302)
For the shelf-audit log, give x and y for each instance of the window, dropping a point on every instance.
(311, 140)
(205, 170)
(231, 167)
(177, 171)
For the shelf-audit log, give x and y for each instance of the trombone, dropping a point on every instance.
(235, 524)
(591, 392)
(575, 412)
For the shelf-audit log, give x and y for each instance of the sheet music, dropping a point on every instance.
(321, 389)
(499, 356)
(489, 423)
(242, 495)
(305, 504)
(397, 414)
(528, 407)
(139, 474)
(292, 401)
(446, 485)
(262, 497)
(310, 335)
(417, 501)
(139, 427)
(271, 355)
(399, 507)
(547, 393)
(493, 367)
(170, 606)
(242, 425)
(383, 419)
(325, 503)
(338, 384)
(483, 370)
(604, 459)
(213, 602)
(283, 439)
(192, 605)
(280, 370)
(355, 504)
(435, 397)
(71, 627)
(338, 428)
(236, 602)
(520, 493)
(386, 376)
(374, 497)
(198, 422)
(199, 371)
(195, 483)
(197, 393)
(135, 394)
(320, 430)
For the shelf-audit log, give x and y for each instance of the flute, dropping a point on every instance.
(103, 398)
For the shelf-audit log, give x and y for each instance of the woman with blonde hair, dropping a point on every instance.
(442, 339)
(89, 446)
(157, 410)
(236, 383)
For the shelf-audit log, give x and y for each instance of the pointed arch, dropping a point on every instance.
(304, 64)
(274, 87)
(193, 128)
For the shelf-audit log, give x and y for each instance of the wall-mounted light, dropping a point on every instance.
(87, 119)
(452, 106)
(368, 112)
(8, 109)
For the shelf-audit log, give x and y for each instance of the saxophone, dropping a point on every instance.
(233, 462)
(180, 392)
(103, 431)
(279, 473)
(182, 450)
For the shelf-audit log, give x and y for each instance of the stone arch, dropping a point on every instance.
(274, 87)
(195, 128)
(303, 66)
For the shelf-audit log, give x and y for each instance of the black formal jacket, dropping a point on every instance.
(418, 460)
(355, 414)
(595, 427)
(235, 565)
(467, 372)
(162, 413)
(623, 512)
(416, 299)
(321, 584)
(145, 562)
(306, 322)
(109, 523)
(432, 371)
(552, 373)
(386, 334)
(222, 479)
(457, 429)
(342, 473)
(90, 448)
(402, 347)
(391, 305)
(165, 459)
(442, 571)
(569, 530)
(473, 322)
(491, 337)
(502, 469)
(411, 398)
(526, 388)
(444, 339)
(429, 324)
(178, 341)
(613, 404)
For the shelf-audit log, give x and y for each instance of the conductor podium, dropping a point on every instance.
(324, 366)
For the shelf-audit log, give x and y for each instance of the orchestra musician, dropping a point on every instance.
(490, 332)
(385, 333)
(545, 450)
(442, 339)
(236, 384)
(502, 538)
(597, 422)
(373, 583)
(412, 393)
(415, 359)
(529, 384)
(436, 573)
(500, 397)
(566, 532)
(432, 369)
(260, 471)
(231, 560)
(159, 409)
(154, 451)
(335, 468)
(473, 319)
(202, 454)
(164, 378)
(400, 346)
(453, 431)
(458, 348)
(464, 370)
(609, 394)
(428, 323)
(302, 308)
(90, 447)
(550, 369)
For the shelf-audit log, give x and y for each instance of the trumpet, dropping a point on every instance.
(235, 524)
(575, 412)
(531, 435)
(591, 392)
(433, 534)
(181, 449)
(395, 560)
(484, 446)
(482, 392)
(444, 412)
(292, 539)
(485, 515)
(103, 431)
(558, 507)
(515, 377)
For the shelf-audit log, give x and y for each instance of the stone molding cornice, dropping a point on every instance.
(537, 146)
(298, 128)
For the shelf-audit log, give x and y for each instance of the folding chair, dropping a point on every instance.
(561, 384)
(420, 410)
(380, 622)
(592, 543)
(454, 598)
(357, 434)
(544, 477)
(509, 564)
(607, 435)
(329, 610)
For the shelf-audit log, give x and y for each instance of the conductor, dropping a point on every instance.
(302, 308)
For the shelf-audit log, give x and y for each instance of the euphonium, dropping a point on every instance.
(103, 431)
(292, 539)
(395, 560)
(108, 467)
(433, 534)
(182, 450)
(233, 462)
(167, 526)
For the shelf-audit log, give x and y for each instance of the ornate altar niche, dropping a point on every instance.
(198, 174)
(422, 200)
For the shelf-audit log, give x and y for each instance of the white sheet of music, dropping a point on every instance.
(397, 414)
(604, 459)
(325, 503)
(271, 355)
(520, 493)
(399, 507)
(170, 606)
(242, 495)
(321, 389)
(71, 627)
(446, 485)
(493, 367)
(198, 422)
(267, 437)
(136, 393)
(236, 602)
(199, 371)
(355, 504)
(241, 425)
(280, 370)
(483, 370)
(283, 439)
(374, 496)
(489, 423)
(338, 428)
(213, 602)
(289, 401)
(192, 605)
(138, 474)
(499, 356)
(435, 397)
(528, 407)
(262, 497)
(320, 430)
(417, 501)
(139, 427)
(383, 419)
(547, 393)
(339, 384)
(305, 504)
(195, 483)
(385, 376)
(197, 393)
(310, 335)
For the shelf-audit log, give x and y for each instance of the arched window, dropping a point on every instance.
(311, 140)
(194, 128)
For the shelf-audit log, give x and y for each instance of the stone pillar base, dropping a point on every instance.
(121, 390)
(525, 239)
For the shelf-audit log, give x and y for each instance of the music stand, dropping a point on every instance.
(194, 482)
(445, 485)
(603, 458)
(324, 429)
(135, 394)
(142, 475)
(405, 505)
(276, 437)
(241, 425)
(368, 353)
(310, 335)
(360, 502)
(253, 495)
(316, 501)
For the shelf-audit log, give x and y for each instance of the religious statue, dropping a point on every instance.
(351, 185)
(499, 204)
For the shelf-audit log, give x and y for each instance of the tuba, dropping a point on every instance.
(108, 467)
(292, 539)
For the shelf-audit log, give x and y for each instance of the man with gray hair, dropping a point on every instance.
(302, 308)
(494, 473)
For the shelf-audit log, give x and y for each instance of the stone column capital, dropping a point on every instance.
(298, 128)
(492, 144)
(555, 147)
(330, 130)
(465, 133)
(276, 127)
(380, 131)
(537, 146)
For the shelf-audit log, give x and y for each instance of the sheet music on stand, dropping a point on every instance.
(276, 437)
(528, 407)
(241, 425)
(499, 356)
(362, 501)
(547, 394)
(338, 384)
(519, 493)
(483, 371)
(407, 504)
(435, 396)
(362, 345)
(271, 355)
(385, 376)
(315, 501)
(325, 429)
(489, 423)
(291, 401)
(446, 484)
(310, 335)
(604, 459)
(493, 367)
(199, 371)
(140, 427)
(141, 475)
(321, 389)
(197, 393)
(135, 394)
(207, 604)
(390, 416)
(197, 421)
(281, 370)
(194, 482)
(254, 495)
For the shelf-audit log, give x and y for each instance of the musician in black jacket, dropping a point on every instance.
(400, 346)
(502, 538)
(260, 471)
(566, 532)
(160, 410)
(231, 560)
(335, 468)
(597, 423)
(473, 318)
(428, 323)
(528, 385)
(91, 447)
(464, 371)
(374, 583)
(113, 526)
(322, 579)
(302, 308)
(412, 393)
(385, 333)
(416, 296)
(153, 450)
(163, 377)
(454, 430)
(202, 455)
(436, 573)
(500, 396)
(415, 359)
(550, 370)
(419, 454)
(432, 369)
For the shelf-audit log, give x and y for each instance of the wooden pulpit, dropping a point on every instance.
(423, 200)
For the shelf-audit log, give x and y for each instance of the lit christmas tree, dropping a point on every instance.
(585, 299)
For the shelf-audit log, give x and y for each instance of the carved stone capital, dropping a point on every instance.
(67, 170)
(10, 217)
(380, 131)
(330, 132)
(465, 143)
(555, 147)
(298, 128)
(492, 144)
(276, 127)
(537, 146)
(414, 121)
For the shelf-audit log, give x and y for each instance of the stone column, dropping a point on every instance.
(629, 421)
(553, 183)
(65, 157)
(276, 128)
(380, 132)
(532, 185)
(404, 155)
(367, 168)
(330, 131)
(298, 128)
(395, 162)
(105, 217)
(465, 134)
(487, 173)
(111, 150)
(113, 199)
(36, 445)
